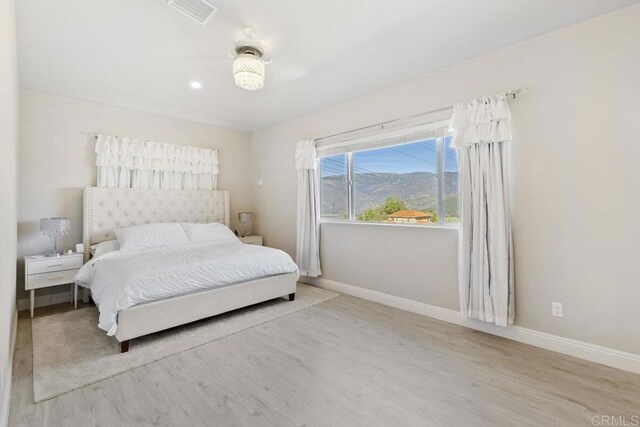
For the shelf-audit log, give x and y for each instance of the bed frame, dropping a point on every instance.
(108, 208)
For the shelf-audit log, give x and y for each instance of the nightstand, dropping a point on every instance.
(252, 240)
(44, 271)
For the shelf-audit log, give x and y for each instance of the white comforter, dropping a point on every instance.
(119, 280)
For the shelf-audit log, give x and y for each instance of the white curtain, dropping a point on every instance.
(132, 163)
(482, 134)
(308, 227)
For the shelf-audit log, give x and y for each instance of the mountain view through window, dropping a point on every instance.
(413, 183)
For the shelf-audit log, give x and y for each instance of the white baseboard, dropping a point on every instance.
(591, 352)
(44, 300)
(5, 386)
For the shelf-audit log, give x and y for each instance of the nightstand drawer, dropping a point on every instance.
(48, 265)
(35, 281)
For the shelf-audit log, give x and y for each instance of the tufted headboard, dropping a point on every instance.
(108, 208)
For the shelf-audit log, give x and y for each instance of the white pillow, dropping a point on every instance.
(104, 248)
(214, 232)
(139, 237)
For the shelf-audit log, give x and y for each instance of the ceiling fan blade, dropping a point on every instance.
(208, 57)
(280, 72)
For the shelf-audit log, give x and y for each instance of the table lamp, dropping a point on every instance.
(245, 219)
(55, 227)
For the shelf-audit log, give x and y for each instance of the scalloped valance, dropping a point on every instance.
(306, 155)
(125, 162)
(483, 120)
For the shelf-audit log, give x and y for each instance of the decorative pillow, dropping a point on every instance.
(139, 237)
(104, 248)
(214, 232)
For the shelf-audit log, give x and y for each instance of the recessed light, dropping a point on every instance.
(195, 85)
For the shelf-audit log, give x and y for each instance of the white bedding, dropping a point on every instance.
(119, 280)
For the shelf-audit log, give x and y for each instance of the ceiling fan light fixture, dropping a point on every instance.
(248, 71)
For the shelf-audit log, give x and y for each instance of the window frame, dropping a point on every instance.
(440, 166)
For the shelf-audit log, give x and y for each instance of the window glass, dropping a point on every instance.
(396, 184)
(451, 206)
(333, 187)
(407, 183)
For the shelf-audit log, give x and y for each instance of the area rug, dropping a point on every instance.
(70, 352)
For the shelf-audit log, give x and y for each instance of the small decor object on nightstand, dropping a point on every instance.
(246, 223)
(252, 240)
(42, 272)
(55, 227)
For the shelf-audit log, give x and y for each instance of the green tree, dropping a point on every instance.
(393, 205)
(380, 213)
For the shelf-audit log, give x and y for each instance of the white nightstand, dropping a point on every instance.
(252, 240)
(44, 271)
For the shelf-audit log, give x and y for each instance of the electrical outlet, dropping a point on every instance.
(556, 309)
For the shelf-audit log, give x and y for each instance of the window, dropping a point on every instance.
(334, 193)
(412, 182)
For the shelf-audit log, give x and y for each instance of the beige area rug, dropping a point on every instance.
(70, 352)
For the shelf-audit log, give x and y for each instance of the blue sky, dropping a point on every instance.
(415, 157)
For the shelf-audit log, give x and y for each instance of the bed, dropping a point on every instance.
(107, 209)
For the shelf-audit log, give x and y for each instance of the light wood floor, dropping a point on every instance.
(342, 362)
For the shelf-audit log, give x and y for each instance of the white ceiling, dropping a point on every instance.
(142, 54)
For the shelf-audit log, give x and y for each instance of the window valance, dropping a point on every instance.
(125, 162)
(305, 155)
(483, 120)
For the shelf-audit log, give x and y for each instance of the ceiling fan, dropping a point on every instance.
(249, 60)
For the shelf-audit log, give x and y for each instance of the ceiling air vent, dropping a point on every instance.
(198, 10)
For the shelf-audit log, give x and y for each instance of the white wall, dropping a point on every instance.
(56, 160)
(8, 144)
(574, 180)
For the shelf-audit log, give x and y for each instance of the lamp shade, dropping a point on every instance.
(248, 71)
(246, 223)
(55, 227)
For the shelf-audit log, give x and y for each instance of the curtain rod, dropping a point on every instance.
(511, 93)
(91, 134)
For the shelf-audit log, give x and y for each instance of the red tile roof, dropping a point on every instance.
(410, 214)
